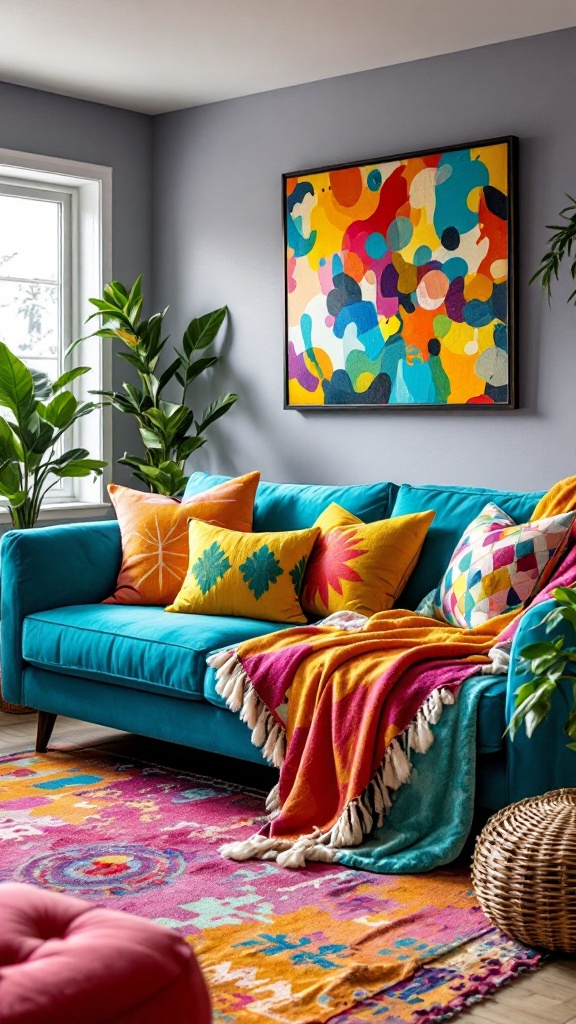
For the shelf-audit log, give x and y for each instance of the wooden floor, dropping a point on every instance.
(547, 996)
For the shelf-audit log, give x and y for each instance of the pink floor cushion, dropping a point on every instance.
(64, 960)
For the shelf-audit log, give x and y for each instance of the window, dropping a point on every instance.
(55, 254)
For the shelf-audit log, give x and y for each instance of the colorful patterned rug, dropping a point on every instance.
(323, 944)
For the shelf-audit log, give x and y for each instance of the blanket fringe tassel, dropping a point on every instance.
(361, 815)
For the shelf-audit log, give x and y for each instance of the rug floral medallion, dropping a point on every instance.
(324, 943)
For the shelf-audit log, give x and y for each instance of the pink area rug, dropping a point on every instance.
(325, 943)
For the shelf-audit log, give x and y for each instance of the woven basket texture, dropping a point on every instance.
(12, 709)
(524, 870)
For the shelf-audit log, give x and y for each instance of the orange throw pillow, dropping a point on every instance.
(154, 532)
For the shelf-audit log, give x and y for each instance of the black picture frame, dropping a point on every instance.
(319, 200)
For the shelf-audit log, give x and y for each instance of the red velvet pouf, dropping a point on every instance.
(63, 961)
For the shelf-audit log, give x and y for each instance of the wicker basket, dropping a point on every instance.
(13, 709)
(524, 870)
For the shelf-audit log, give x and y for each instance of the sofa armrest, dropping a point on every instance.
(543, 762)
(51, 567)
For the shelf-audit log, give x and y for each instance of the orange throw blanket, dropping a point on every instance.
(340, 709)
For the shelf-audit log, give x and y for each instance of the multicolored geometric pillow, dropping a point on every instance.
(496, 567)
(254, 575)
(361, 567)
(154, 532)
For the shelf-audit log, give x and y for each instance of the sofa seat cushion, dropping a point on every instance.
(141, 647)
(297, 506)
(455, 508)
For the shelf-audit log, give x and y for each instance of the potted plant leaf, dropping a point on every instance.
(548, 661)
(169, 430)
(560, 246)
(36, 415)
(34, 419)
(548, 664)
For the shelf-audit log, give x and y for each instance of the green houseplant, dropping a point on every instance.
(169, 430)
(36, 414)
(548, 661)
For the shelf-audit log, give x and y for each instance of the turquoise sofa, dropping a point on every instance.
(141, 670)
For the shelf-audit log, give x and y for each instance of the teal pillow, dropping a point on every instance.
(455, 509)
(297, 506)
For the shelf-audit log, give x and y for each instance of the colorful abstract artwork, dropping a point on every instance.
(399, 281)
(326, 943)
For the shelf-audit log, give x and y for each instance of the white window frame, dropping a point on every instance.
(90, 190)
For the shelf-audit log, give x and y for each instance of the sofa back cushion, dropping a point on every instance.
(280, 507)
(455, 509)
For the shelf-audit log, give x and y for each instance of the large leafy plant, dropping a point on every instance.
(548, 663)
(170, 432)
(35, 414)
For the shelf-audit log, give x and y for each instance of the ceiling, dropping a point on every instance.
(160, 55)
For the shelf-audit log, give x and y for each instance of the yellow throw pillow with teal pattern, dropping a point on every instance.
(253, 575)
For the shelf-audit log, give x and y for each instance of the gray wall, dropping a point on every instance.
(218, 238)
(40, 122)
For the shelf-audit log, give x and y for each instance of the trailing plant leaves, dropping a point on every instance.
(533, 708)
(561, 613)
(570, 724)
(561, 243)
(543, 648)
(547, 662)
(565, 595)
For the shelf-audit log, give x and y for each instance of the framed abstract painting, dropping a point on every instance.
(399, 281)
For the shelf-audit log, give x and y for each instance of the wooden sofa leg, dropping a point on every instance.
(46, 721)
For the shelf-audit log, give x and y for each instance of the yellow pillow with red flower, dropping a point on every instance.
(361, 567)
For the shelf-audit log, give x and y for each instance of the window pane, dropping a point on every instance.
(29, 320)
(29, 238)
